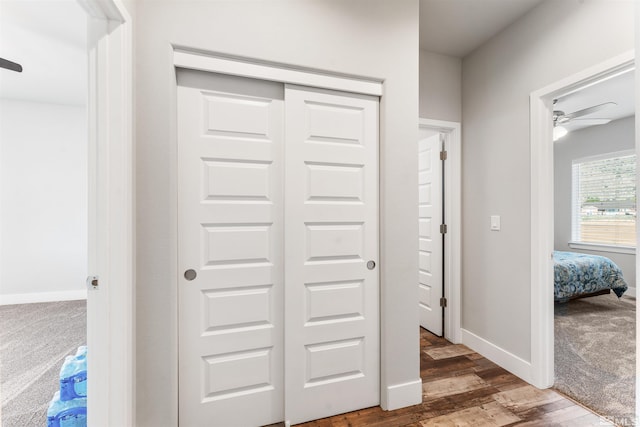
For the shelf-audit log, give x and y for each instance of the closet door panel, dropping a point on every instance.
(331, 217)
(230, 234)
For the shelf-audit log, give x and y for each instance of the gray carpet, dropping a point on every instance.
(34, 340)
(595, 345)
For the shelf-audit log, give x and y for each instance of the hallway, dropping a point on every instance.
(462, 388)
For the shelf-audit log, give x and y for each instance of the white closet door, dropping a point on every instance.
(430, 239)
(230, 133)
(331, 216)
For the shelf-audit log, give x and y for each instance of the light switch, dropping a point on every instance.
(495, 222)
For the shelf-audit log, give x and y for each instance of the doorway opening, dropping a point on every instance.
(443, 257)
(44, 202)
(568, 225)
(594, 231)
(110, 231)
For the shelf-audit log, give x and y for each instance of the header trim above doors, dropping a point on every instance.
(283, 73)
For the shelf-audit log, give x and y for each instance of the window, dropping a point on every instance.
(604, 200)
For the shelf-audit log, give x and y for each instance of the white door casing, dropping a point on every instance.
(233, 226)
(230, 134)
(430, 202)
(110, 306)
(331, 232)
(97, 297)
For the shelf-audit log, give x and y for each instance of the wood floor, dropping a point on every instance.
(462, 388)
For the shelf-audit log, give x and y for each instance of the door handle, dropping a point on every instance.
(371, 264)
(190, 274)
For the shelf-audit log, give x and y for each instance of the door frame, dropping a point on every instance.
(391, 396)
(110, 309)
(542, 208)
(452, 217)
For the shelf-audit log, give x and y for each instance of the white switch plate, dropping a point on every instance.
(495, 222)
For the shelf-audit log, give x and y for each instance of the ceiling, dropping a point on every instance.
(48, 38)
(458, 27)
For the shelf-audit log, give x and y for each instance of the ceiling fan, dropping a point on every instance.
(562, 118)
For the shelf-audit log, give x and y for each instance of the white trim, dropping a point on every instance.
(453, 209)
(110, 319)
(212, 62)
(598, 247)
(403, 395)
(34, 297)
(108, 9)
(497, 355)
(542, 241)
(603, 156)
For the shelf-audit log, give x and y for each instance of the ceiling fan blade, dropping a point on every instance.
(589, 110)
(9, 65)
(591, 122)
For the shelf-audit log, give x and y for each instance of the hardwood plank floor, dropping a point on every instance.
(462, 388)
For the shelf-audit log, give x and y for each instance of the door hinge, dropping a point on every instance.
(443, 302)
(443, 155)
(443, 228)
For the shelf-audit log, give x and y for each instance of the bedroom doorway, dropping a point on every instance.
(594, 231)
(584, 188)
(106, 70)
(439, 160)
(44, 202)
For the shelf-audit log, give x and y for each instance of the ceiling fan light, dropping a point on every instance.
(559, 132)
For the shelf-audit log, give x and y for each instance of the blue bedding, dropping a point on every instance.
(577, 274)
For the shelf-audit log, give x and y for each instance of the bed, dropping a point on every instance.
(578, 275)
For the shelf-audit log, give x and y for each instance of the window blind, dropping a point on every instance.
(604, 200)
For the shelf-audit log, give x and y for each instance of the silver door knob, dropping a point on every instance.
(371, 265)
(190, 274)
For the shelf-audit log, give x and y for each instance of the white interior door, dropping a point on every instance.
(230, 243)
(430, 238)
(331, 215)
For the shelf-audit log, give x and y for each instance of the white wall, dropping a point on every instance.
(440, 86)
(375, 38)
(616, 136)
(554, 40)
(43, 188)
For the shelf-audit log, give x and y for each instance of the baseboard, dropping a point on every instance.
(630, 292)
(12, 299)
(512, 363)
(402, 395)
